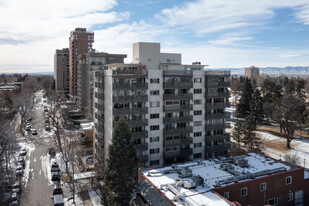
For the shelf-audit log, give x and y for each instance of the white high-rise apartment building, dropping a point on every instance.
(176, 111)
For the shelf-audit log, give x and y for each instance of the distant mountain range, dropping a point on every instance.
(272, 71)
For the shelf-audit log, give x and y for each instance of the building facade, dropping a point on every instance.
(252, 72)
(173, 115)
(61, 70)
(80, 42)
(87, 64)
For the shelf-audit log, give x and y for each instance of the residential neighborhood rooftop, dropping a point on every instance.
(191, 183)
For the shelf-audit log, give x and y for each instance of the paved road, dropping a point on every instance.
(37, 191)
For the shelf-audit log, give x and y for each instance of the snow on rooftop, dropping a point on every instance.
(212, 176)
(87, 126)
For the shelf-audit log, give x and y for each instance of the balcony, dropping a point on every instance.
(224, 136)
(141, 147)
(136, 98)
(177, 96)
(138, 72)
(218, 84)
(136, 123)
(123, 111)
(174, 73)
(131, 86)
(143, 158)
(141, 134)
(178, 119)
(186, 141)
(186, 152)
(213, 148)
(214, 126)
(177, 85)
(186, 107)
(217, 105)
(171, 154)
(218, 94)
(215, 116)
(184, 130)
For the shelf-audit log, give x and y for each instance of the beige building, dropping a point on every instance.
(175, 110)
(252, 72)
(61, 70)
(87, 65)
(80, 43)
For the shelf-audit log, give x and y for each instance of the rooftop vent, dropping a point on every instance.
(185, 172)
(242, 163)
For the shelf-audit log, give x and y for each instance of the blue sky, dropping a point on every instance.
(220, 33)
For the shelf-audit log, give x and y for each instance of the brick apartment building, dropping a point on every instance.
(253, 180)
(61, 71)
(80, 42)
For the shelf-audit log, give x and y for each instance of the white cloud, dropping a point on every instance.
(207, 16)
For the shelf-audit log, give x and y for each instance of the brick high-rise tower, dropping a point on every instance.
(80, 43)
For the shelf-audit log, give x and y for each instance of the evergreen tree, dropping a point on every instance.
(256, 107)
(290, 87)
(243, 107)
(250, 139)
(277, 93)
(237, 132)
(121, 167)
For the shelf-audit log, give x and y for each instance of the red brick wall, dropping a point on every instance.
(276, 187)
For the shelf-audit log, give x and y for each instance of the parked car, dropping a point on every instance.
(28, 128)
(23, 152)
(47, 127)
(55, 177)
(21, 162)
(57, 189)
(46, 119)
(29, 119)
(19, 171)
(58, 200)
(34, 132)
(54, 167)
(14, 199)
(16, 187)
(51, 151)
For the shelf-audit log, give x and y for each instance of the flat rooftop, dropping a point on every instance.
(191, 183)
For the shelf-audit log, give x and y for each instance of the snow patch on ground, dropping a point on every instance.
(78, 201)
(30, 147)
(45, 163)
(94, 197)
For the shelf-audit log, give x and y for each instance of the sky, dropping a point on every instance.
(218, 33)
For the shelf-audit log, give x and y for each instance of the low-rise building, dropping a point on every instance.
(244, 180)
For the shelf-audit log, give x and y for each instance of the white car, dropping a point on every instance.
(19, 170)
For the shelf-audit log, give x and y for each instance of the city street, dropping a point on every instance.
(37, 190)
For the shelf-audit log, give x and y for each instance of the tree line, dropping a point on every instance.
(279, 100)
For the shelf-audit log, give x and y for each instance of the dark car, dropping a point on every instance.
(16, 187)
(51, 151)
(57, 189)
(34, 132)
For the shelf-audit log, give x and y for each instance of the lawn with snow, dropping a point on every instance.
(94, 197)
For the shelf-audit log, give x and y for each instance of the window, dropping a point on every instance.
(226, 195)
(154, 162)
(288, 180)
(197, 91)
(197, 123)
(196, 145)
(197, 134)
(154, 127)
(198, 112)
(197, 80)
(243, 192)
(272, 201)
(154, 151)
(197, 101)
(154, 104)
(299, 197)
(154, 139)
(154, 81)
(263, 187)
(154, 92)
(290, 196)
(154, 116)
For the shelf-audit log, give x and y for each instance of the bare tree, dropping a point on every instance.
(289, 114)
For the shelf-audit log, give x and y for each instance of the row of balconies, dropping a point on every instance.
(213, 148)
(217, 105)
(188, 118)
(218, 84)
(186, 141)
(135, 98)
(122, 111)
(177, 85)
(183, 130)
(209, 127)
(131, 86)
(177, 96)
(215, 116)
(171, 108)
(178, 153)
